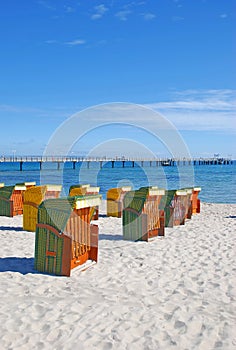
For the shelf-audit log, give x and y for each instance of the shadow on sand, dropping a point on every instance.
(10, 228)
(21, 265)
(110, 237)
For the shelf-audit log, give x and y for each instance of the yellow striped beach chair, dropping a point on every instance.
(33, 197)
(115, 198)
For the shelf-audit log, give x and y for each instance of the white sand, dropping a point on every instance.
(176, 292)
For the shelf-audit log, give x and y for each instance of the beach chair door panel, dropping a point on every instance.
(135, 227)
(6, 207)
(53, 251)
(17, 198)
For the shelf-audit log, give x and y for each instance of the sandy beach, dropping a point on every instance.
(173, 292)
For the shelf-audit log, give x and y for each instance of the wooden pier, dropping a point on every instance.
(121, 162)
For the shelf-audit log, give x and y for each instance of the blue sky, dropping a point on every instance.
(61, 56)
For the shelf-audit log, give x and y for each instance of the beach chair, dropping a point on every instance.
(196, 203)
(86, 190)
(175, 207)
(142, 217)
(33, 197)
(115, 197)
(78, 190)
(65, 238)
(187, 202)
(11, 200)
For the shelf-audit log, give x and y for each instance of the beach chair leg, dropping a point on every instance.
(169, 222)
(93, 254)
(189, 214)
(198, 206)
(162, 223)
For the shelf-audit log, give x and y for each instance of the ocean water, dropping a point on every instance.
(218, 182)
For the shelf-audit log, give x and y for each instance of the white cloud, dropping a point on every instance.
(18, 109)
(46, 5)
(177, 18)
(75, 42)
(223, 15)
(123, 15)
(149, 16)
(51, 41)
(69, 9)
(100, 11)
(201, 110)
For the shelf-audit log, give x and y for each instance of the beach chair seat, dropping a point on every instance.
(115, 197)
(11, 200)
(65, 238)
(142, 217)
(33, 197)
(86, 190)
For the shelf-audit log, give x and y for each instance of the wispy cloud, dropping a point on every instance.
(100, 10)
(201, 110)
(148, 16)
(18, 109)
(69, 9)
(177, 18)
(51, 42)
(123, 15)
(75, 42)
(223, 15)
(46, 5)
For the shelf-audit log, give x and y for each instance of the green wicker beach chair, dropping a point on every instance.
(65, 237)
(11, 200)
(142, 217)
(174, 205)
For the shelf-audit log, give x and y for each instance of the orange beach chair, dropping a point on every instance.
(196, 203)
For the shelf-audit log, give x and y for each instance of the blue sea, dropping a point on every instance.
(216, 181)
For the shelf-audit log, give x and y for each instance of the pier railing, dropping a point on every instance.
(64, 159)
(114, 161)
